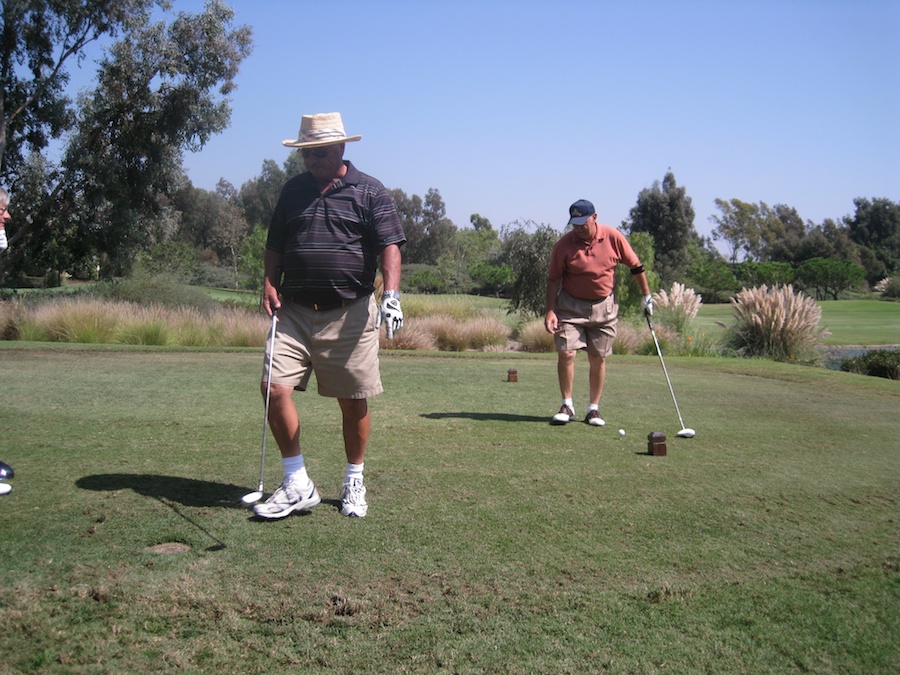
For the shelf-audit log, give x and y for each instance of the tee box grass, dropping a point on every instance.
(495, 542)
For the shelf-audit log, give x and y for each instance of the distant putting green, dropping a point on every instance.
(850, 322)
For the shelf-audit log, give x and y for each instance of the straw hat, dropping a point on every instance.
(320, 129)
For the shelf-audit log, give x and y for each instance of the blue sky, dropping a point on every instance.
(513, 110)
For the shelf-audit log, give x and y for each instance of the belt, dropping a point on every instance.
(593, 302)
(324, 307)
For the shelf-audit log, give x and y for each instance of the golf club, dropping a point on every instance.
(685, 431)
(6, 471)
(254, 497)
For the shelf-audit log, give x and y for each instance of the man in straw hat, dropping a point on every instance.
(582, 311)
(331, 226)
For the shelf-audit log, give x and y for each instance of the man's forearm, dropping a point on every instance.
(272, 263)
(550, 298)
(642, 283)
(390, 267)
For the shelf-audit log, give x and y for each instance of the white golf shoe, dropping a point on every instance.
(286, 499)
(564, 416)
(353, 499)
(593, 418)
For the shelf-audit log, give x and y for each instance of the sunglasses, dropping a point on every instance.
(315, 152)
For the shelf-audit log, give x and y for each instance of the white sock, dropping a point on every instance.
(354, 472)
(593, 406)
(295, 470)
(570, 403)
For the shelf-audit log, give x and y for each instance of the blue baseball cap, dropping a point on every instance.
(580, 211)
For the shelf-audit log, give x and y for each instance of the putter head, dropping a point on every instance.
(252, 498)
(686, 433)
(6, 471)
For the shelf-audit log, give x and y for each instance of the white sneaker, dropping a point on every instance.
(286, 499)
(353, 499)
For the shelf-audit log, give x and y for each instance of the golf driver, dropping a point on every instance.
(685, 431)
(254, 497)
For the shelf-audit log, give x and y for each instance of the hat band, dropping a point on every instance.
(323, 135)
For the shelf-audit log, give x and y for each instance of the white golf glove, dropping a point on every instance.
(390, 313)
(647, 305)
(4, 244)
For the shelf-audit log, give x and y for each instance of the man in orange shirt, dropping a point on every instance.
(582, 311)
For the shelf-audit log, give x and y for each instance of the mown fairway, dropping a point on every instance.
(494, 542)
(849, 322)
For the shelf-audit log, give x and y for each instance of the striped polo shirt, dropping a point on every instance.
(330, 243)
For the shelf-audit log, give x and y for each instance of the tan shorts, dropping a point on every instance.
(586, 325)
(340, 345)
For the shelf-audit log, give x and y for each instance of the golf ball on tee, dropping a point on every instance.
(621, 432)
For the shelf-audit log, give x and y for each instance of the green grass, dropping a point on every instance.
(237, 297)
(850, 322)
(494, 542)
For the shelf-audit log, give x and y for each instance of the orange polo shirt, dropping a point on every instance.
(587, 268)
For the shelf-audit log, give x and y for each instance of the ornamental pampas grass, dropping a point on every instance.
(776, 323)
(677, 307)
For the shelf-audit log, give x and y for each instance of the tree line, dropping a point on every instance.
(118, 200)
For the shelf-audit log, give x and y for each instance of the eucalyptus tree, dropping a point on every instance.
(665, 212)
(527, 247)
(161, 88)
(875, 227)
(429, 233)
(738, 225)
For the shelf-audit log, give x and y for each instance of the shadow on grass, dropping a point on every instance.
(172, 491)
(485, 417)
(184, 491)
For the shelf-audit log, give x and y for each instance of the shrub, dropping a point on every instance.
(89, 320)
(486, 334)
(413, 337)
(153, 331)
(892, 288)
(458, 307)
(876, 362)
(628, 338)
(669, 341)
(776, 323)
(79, 320)
(156, 290)
(450, 334)
(10, 318)
(237, 327)
(426, 280)
(699, 344)
(534, 337)
(678, 307)
(190, 330)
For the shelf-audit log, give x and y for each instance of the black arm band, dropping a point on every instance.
(637, 270)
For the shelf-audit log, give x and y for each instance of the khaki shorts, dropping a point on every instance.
(340, 345)
(586, 325)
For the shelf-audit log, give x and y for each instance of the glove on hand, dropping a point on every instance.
(647, 305)
(391, 314)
